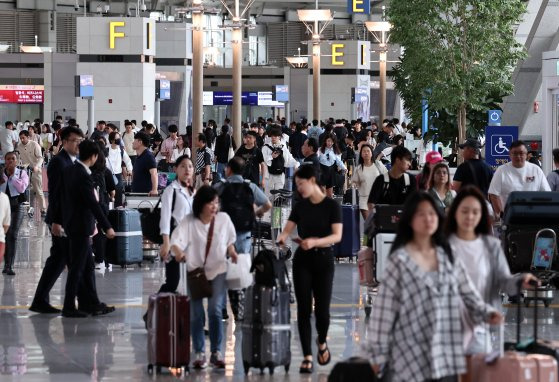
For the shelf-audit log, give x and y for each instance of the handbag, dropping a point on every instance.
(231, 152)
(198, 285)
(238, 275)
(150, 222)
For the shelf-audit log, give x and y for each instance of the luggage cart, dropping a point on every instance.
(545, 248)
(281, 207)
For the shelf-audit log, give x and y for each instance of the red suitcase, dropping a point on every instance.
(168, 325)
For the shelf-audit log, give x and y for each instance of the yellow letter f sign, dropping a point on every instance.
(114, 34)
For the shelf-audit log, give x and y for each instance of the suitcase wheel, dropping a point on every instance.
(271, 370)
(150, 369)
(246, 366)
(261, 370)
(140, 264)
(546, 303)
(286, 367)
(367, 311)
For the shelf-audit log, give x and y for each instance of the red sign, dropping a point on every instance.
(21, 93)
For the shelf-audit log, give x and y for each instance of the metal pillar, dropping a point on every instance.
(236, 118)
(157, 114)
(197, 75)
(316, 81)
(90, 116)
(382, 98)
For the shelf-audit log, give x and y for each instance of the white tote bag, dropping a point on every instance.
(238, 275)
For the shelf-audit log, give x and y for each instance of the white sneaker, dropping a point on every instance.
(199, 361)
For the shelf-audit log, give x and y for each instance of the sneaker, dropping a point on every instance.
(217, 361)
(199, 361)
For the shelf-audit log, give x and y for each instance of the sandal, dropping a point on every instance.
(320, 355)
(308, 369)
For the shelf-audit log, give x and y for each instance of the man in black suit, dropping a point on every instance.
(82, 210)
(59, 258)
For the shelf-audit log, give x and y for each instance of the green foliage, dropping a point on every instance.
(444, 122)
(457, 53)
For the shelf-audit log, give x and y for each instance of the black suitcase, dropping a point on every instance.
(532, 207)
(518, 245)
(352, 370)
(351, 196)
(386, 217)
(266, 329)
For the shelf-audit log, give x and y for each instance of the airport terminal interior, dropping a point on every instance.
(295, 78)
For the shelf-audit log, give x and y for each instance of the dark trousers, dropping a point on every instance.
(99, 245)
(119, 191)
(172, 277)
(11, 235)
(54, 265)
(313, 275)
(81, 269)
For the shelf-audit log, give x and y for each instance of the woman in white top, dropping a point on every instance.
(330, 159)
(188, 242)
(468, 228)
(364, 176)
(117, 156)
(439, 186)
(176, 204)
(5, 219)
(181, 149)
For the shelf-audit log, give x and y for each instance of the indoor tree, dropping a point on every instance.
(457, 53)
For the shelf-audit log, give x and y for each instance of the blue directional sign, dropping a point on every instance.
(494, 117)
(497, 144)
(359, 6)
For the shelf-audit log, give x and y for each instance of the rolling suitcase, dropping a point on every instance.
(266, 329)
(366, 264)
(126, 247)
(168, 323)
(350, 244)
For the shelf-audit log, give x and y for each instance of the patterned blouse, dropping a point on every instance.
(415, 329)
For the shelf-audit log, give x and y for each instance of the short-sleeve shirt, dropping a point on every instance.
(191, 236)
(553, 180)
(141, 179)
(476, 172)
(396, 193)
(508, 178)
(315, 220)
(252, 157)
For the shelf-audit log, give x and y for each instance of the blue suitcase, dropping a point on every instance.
(350, 244)
(126, 247)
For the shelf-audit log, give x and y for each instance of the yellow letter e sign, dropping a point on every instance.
(114, 34)
(336, 54)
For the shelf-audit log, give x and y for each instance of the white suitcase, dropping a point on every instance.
(382, 244)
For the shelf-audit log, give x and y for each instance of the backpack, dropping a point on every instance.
(278, 164)
(386, 184)
(237, 200)
(314, 132)
(270, 271)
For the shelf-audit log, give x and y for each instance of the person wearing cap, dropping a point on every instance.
(431, 159)
(474, 170)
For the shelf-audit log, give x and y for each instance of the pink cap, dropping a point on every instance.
(433, 157)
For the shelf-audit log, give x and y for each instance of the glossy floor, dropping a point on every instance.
(113, 347)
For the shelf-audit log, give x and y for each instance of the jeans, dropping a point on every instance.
(221, 170)
(313, 276)
(198, 317)
(11, 235)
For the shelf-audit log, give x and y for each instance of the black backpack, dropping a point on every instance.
(237, 200)
(278, 163)
(270, 271)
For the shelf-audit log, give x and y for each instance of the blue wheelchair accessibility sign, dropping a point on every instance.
(498, 140)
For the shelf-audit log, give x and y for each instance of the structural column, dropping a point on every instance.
(316, 81)
(197, 74)
(236, 117)
(382, 86)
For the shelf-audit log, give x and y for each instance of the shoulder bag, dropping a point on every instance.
(198, 285)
